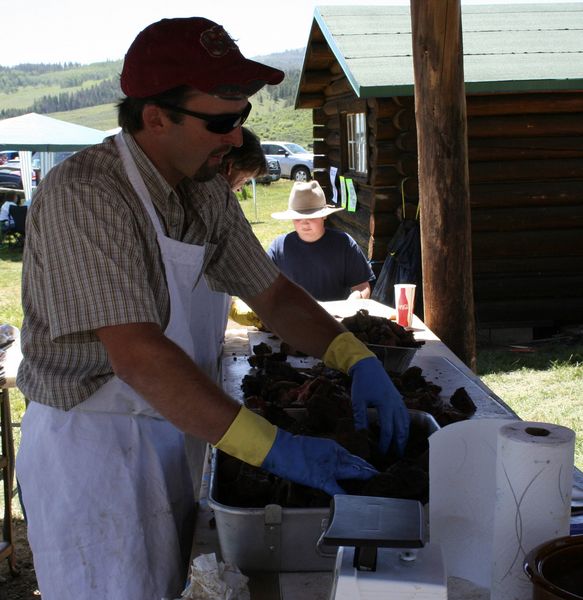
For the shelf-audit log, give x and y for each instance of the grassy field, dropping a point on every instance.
(26, 96)
(545, 384)
(102, 117)
(268, 199)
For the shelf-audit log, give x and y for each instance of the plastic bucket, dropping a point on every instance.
(556, 569)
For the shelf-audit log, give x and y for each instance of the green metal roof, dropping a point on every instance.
(507, 48)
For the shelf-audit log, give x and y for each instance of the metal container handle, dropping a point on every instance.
(320, 543)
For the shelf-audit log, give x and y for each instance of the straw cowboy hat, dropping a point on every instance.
(306, 201)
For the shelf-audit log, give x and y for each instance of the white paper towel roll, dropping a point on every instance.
(462, 488)
(534, 470)
(473, 510)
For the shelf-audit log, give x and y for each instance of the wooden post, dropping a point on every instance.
(440, 110)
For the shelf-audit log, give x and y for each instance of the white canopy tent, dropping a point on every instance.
(38, 133)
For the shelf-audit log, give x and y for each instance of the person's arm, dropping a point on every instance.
(272, 250)
(358, 270)
(167, 378)
(294, 316)
(362, 290)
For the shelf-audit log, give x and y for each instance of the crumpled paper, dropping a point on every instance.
(211, 579)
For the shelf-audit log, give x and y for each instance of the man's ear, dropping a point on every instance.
(153, 117)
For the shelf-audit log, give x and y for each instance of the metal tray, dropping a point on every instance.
(275, 538)
(395, 359)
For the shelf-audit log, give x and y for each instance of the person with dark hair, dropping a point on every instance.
(244, 162)
(132, 245)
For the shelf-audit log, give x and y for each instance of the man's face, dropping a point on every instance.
(194, 151)
(310, 230)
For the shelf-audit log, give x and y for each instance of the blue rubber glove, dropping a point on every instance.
(372, 387)
(315, 462)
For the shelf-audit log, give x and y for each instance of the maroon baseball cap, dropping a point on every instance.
(195, 52)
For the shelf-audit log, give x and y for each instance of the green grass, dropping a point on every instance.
(545, 385)
(102, 117)
(10, 273)
(269, 198)
(11, 312)
(27, 95)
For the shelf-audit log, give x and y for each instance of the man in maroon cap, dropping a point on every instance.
(132, 246)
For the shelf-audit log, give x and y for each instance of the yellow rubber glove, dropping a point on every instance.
(248, 438)
(345, 351)
(241, 313)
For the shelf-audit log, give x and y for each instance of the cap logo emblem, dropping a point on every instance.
(216, 41)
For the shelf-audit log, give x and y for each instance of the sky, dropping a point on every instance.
(59, 31)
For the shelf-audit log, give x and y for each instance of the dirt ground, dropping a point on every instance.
(22, 587)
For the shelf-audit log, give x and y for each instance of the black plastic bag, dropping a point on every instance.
(402, 265)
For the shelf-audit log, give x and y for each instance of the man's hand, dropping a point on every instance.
(315, 462)
(372, 387)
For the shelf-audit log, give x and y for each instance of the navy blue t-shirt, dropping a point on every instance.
(327, 268)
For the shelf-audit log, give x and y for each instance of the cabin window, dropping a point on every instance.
(356, 142)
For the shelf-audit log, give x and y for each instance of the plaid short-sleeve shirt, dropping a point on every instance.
(92, 260)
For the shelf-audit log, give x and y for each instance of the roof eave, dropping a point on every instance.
(476, 87)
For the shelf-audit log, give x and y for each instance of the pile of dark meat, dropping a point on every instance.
(371, 330)
(316, 401)
(378, 330)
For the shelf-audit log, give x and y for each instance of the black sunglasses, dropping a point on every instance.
(224, 123)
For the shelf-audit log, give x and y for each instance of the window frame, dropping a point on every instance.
(356, 142)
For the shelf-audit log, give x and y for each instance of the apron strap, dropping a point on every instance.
(138, 182)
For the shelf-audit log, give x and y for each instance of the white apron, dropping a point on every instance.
(107, 486)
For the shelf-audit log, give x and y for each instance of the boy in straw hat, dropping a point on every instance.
(327, 263)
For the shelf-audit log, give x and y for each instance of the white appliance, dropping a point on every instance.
(381, 552)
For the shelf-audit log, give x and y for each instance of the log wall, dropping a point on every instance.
(526, 191)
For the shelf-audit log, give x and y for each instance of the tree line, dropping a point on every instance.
(67, 75)
(105, 92)
(286, 90)
(38, 68)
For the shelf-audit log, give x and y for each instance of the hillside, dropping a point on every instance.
(86, 95)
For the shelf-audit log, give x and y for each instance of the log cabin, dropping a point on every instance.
(523, 73)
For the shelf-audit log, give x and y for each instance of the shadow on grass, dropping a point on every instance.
(541, 357)
(11, 253)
